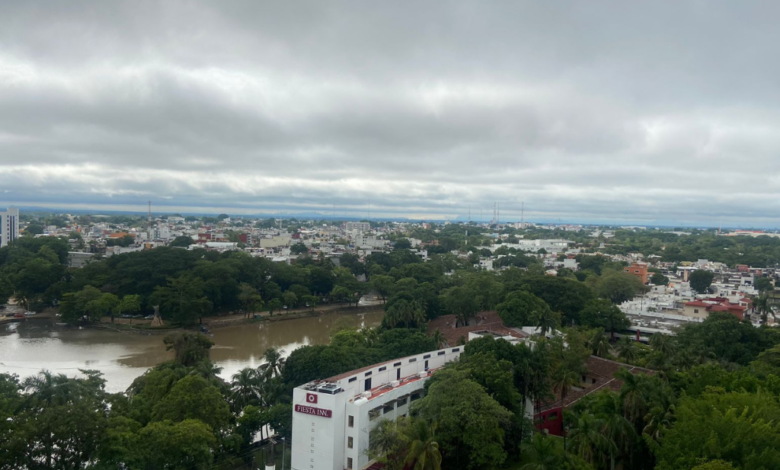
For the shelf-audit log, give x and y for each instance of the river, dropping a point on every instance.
(28, 347)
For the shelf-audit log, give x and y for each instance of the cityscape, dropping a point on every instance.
(248, 235)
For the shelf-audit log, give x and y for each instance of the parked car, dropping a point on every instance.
(149, 317)
(127, 315)
(29, 313)
(18, 315)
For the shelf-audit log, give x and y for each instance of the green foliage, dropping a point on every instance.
(659, 279)
(525, 309)
(739, 428)
(182, 241)
(618, 287)
(600, 313)
(470, 422)
(700, 280)
(189, 348)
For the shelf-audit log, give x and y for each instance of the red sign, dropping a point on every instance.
(311, 398)
(310, 410)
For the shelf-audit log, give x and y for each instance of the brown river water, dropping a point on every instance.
(28, 347)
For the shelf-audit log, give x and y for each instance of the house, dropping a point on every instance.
(639, 270)
(701, 308)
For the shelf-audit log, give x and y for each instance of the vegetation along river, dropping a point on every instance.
(28, 347)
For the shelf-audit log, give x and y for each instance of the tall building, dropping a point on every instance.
(9, 226)
(333, 418)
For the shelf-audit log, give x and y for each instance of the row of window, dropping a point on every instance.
(398, 364)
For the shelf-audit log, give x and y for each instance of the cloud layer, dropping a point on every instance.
(599, 111)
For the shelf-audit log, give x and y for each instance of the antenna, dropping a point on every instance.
(149, 223)
(522, 213)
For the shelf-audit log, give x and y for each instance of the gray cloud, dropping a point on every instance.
(602, 111)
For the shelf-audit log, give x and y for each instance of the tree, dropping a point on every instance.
(764, 284)
(189, 348)
(470, 422)
(659, 279)
(619, 287)
(182, 241)
(299, 249)
(627, 349)
(183, 299)
(543, 453)
(600, 313)
(460, 301)
(763, 307)
(129, 304)
(423, 450)
(193, 397)
(599, 344)
(187, 444)
(525, 309)
(274, 363)
(738, 428)
(383, 285)
(250, 299)
(290, 299)
(700, 280)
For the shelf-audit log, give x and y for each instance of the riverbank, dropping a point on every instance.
(143, 326)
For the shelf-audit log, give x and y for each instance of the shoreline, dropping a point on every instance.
(217, 322)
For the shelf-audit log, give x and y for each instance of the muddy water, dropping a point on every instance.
(28, 347)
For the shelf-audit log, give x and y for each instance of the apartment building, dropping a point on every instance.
(9, 226)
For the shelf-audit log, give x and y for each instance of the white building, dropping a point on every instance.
(9, 226)
(358, 227)
(333, 418)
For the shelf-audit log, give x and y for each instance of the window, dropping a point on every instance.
(416, 396)
(427, 356)
(551, 417)
(695, 310)
(401, 401)
(456, 350)
(396, 364)
(412, 360)
(351, 421)
(372, 414)
(368, 373)
(388, 408)
(349, 442)
(441, 353)
(383, 368)
(352, 379)
(349, 463)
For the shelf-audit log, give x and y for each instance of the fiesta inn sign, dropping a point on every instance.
(310, 410)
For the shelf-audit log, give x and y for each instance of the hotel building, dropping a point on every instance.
(333, 418)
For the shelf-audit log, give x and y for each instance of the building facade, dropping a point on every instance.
(639, 270)
(358, 227)
(9, 226)
(333, 418)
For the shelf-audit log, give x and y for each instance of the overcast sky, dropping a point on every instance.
(586, 111)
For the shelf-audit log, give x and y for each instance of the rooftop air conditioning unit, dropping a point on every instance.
(395, 383)
(366, 394)
(423, 374)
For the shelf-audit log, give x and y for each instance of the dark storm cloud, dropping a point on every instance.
(601, 111)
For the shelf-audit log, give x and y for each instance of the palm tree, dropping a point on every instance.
(627, 350)
(586, 438)
(763, 308)
(274, 363)
(424, 450)
(632, 394)
(564, 379)
(599, 344)
(547, 321)
(663, 344)
(543, 453)
(437, 338)
(616, 427)
(245, 388)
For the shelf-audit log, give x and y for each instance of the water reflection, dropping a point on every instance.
(26, 348)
